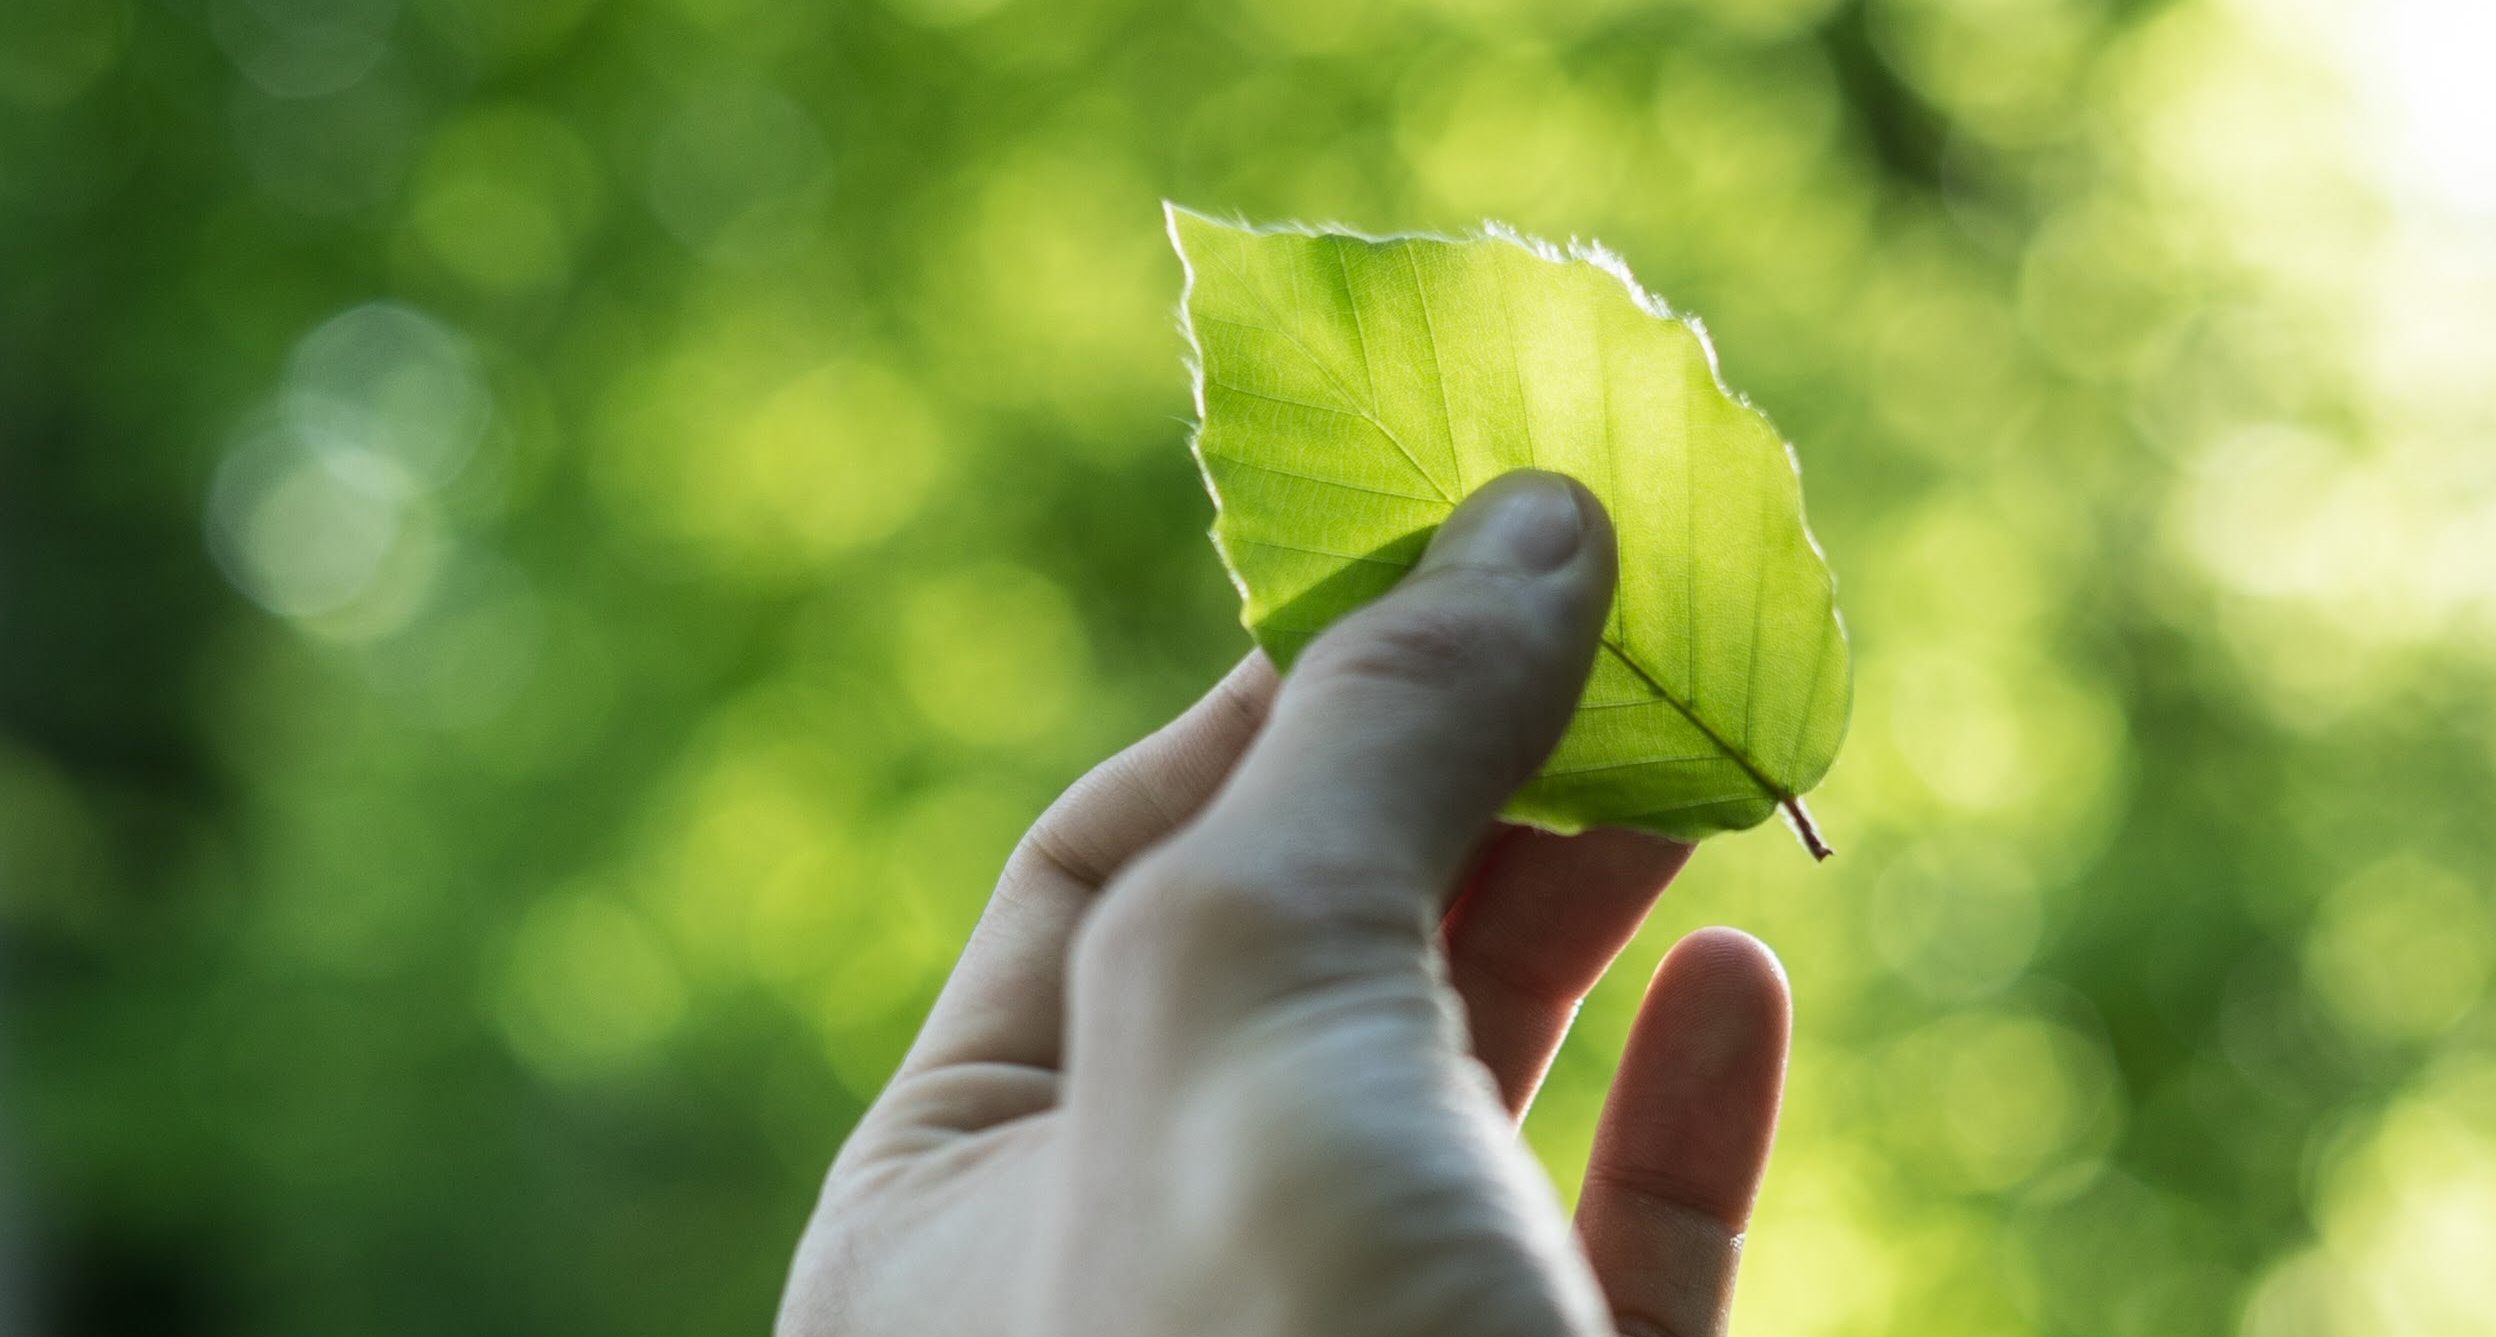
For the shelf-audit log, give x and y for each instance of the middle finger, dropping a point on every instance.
(1533, 931)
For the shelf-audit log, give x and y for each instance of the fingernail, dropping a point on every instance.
(1528, 520)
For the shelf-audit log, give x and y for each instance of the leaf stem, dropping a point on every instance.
(1795, 814)
(1800, 819)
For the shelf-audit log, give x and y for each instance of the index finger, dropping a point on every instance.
(1004, 1002)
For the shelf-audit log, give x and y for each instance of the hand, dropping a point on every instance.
(1239, 1046)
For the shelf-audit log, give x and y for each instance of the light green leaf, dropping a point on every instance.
(1351, 390)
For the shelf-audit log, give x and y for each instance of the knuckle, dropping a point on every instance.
(1049, 847)
(1240, 707)
(1069, 840)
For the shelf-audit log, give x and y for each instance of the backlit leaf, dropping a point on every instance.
(1352, 390)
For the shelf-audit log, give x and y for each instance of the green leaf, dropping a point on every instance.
(1351, 390)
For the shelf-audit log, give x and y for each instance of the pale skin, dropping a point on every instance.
(1240, 1044)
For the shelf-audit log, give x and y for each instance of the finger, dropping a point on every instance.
(1404, 728)
(1684, 1135)
(1005, 1000)
(1255, 1017)
(1535, 929)
(1394, 741)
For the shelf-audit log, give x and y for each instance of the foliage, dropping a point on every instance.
(1352, 391)
(487, 786)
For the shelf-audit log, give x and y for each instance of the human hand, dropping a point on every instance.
(1239, 1045)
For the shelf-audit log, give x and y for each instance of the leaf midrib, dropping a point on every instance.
(1740, 758)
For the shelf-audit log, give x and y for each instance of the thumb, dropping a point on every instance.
(1392, 745)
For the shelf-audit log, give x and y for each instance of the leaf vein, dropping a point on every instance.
(1321, 552)
(1718, 758)
(1811, 695)
(1516, 365)
(1612, 466)
(1742, 758)
(1438, 369)
(1360, 327)
(1329, 373)
(1320, 479)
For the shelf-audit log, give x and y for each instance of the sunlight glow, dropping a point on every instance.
(2425, 80)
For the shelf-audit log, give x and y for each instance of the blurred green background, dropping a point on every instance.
(548, 549)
